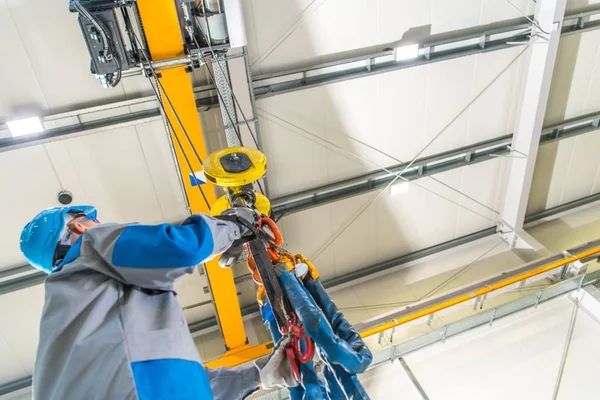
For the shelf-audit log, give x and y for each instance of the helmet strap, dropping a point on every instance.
(60, 253)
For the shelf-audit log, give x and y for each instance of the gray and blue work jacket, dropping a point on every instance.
(112, 327)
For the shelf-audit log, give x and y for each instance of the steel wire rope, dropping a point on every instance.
(361, 158)
(170, 124)
(465, 108)
(399, 176)
(220, 95)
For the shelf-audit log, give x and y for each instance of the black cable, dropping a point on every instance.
(109, 51)
(162, 106)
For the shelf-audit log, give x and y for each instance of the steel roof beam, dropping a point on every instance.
(535, 91)
(452, 45)
(426, 166)
(354, 186)
(481, 40)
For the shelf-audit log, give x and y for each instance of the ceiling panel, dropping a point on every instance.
(378, 121)
(565, 171)
(11, 369)
(356, 231)
(52, 39)
(574, 4)
(127, 173)
(492, 114)
(453, 15)
(30, 185)
(20, 329)
(574, 77)
(402, 114)
(113, 172)
(378, 226)
(583, 167)
(306, 32)
(395, 17)
(484, 185)
(21, 93)
(445, 99)
(158, 155)
(550, 173)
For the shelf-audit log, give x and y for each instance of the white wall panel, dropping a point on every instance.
(517, 358)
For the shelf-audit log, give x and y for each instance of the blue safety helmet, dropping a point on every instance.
(41, 236)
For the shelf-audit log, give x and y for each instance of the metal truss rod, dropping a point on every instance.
(426, 166)
(70, 123)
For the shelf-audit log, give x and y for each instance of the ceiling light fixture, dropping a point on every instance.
(407, 52)
(398, 188)
(25, 126)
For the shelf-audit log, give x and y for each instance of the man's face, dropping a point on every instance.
(78, 225)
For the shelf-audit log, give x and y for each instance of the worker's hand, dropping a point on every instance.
(246, 221)
(275, 369)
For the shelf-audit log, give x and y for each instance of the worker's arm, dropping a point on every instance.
(154, 256)
(233, 383)
(270, 371)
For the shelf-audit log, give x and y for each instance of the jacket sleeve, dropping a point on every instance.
(155, 256)
(233, 383)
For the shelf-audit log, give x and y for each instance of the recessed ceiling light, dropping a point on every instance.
(398, 188)
(25, 126)
(407, 52)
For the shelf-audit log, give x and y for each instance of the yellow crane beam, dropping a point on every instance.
(163, 35)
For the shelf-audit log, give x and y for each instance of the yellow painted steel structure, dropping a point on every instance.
(163, 35)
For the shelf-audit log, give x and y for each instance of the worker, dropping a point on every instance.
(112, 327)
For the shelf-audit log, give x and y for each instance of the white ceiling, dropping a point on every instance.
(46, 66)
(287, 34)
(128, 173)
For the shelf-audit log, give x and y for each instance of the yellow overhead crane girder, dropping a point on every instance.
(163, 35)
